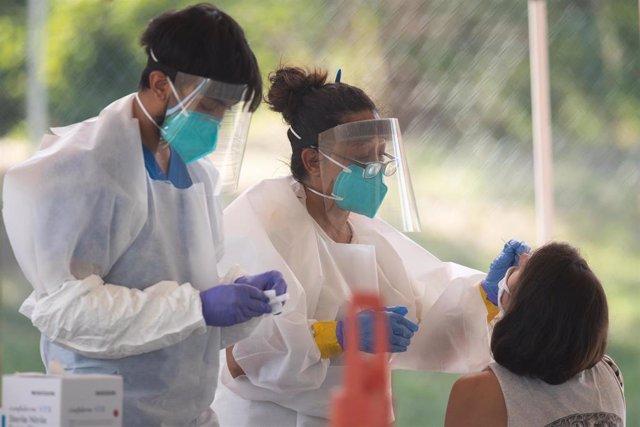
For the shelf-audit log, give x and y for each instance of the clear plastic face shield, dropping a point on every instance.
(209, 117)
(362, 164)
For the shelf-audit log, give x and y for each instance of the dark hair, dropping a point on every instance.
(204, 41)
(310, 106)
(556, 324)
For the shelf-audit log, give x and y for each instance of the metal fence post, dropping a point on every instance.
(541, 120)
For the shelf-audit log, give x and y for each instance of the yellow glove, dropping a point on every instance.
(492, 310)
(324, 334)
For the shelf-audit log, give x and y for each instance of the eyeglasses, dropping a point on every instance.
(371, 169)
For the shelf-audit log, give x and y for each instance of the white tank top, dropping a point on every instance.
(592, 397)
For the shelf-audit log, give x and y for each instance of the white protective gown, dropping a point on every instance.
(116, 261)
(286, 382)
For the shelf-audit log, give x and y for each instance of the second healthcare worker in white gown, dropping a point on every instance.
(116, 223)
(319, 228)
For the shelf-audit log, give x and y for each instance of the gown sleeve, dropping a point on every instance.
(454, 333)
(280, 358)
(70, 216)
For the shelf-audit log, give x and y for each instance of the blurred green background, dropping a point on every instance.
(455, 73)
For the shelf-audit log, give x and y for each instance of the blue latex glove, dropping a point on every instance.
(508, 258)
(226, 305)
(401, 330)
(265, 281)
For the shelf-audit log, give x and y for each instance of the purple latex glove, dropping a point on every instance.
(401, 330)
(227, 305)
(507, 258)
(265, 281)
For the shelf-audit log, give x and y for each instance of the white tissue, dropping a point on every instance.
(276, 301)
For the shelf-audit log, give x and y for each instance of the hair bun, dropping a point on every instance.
(288, 87)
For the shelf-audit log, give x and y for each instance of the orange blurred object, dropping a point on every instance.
(364, 400)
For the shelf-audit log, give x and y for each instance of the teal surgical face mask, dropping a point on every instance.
(359, 194)
(353, 192)
(192, 134)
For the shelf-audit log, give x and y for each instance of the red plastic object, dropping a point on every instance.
(364, 400)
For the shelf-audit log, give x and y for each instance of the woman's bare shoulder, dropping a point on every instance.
(476, 400)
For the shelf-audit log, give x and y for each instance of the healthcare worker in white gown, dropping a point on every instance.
(319, 228)
(116, 223)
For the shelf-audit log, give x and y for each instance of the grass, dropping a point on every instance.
(467, 208)
(20, 343)
(420, 398)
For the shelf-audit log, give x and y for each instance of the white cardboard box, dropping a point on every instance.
(37, 400)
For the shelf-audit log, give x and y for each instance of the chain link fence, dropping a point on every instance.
(455, 73)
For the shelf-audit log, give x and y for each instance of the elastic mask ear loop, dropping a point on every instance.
(326, 196)
(181, 103)
(173, 89)
(146, 113)
(332, 196)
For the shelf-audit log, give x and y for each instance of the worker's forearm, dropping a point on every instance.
(234, 368)
(103, 320)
